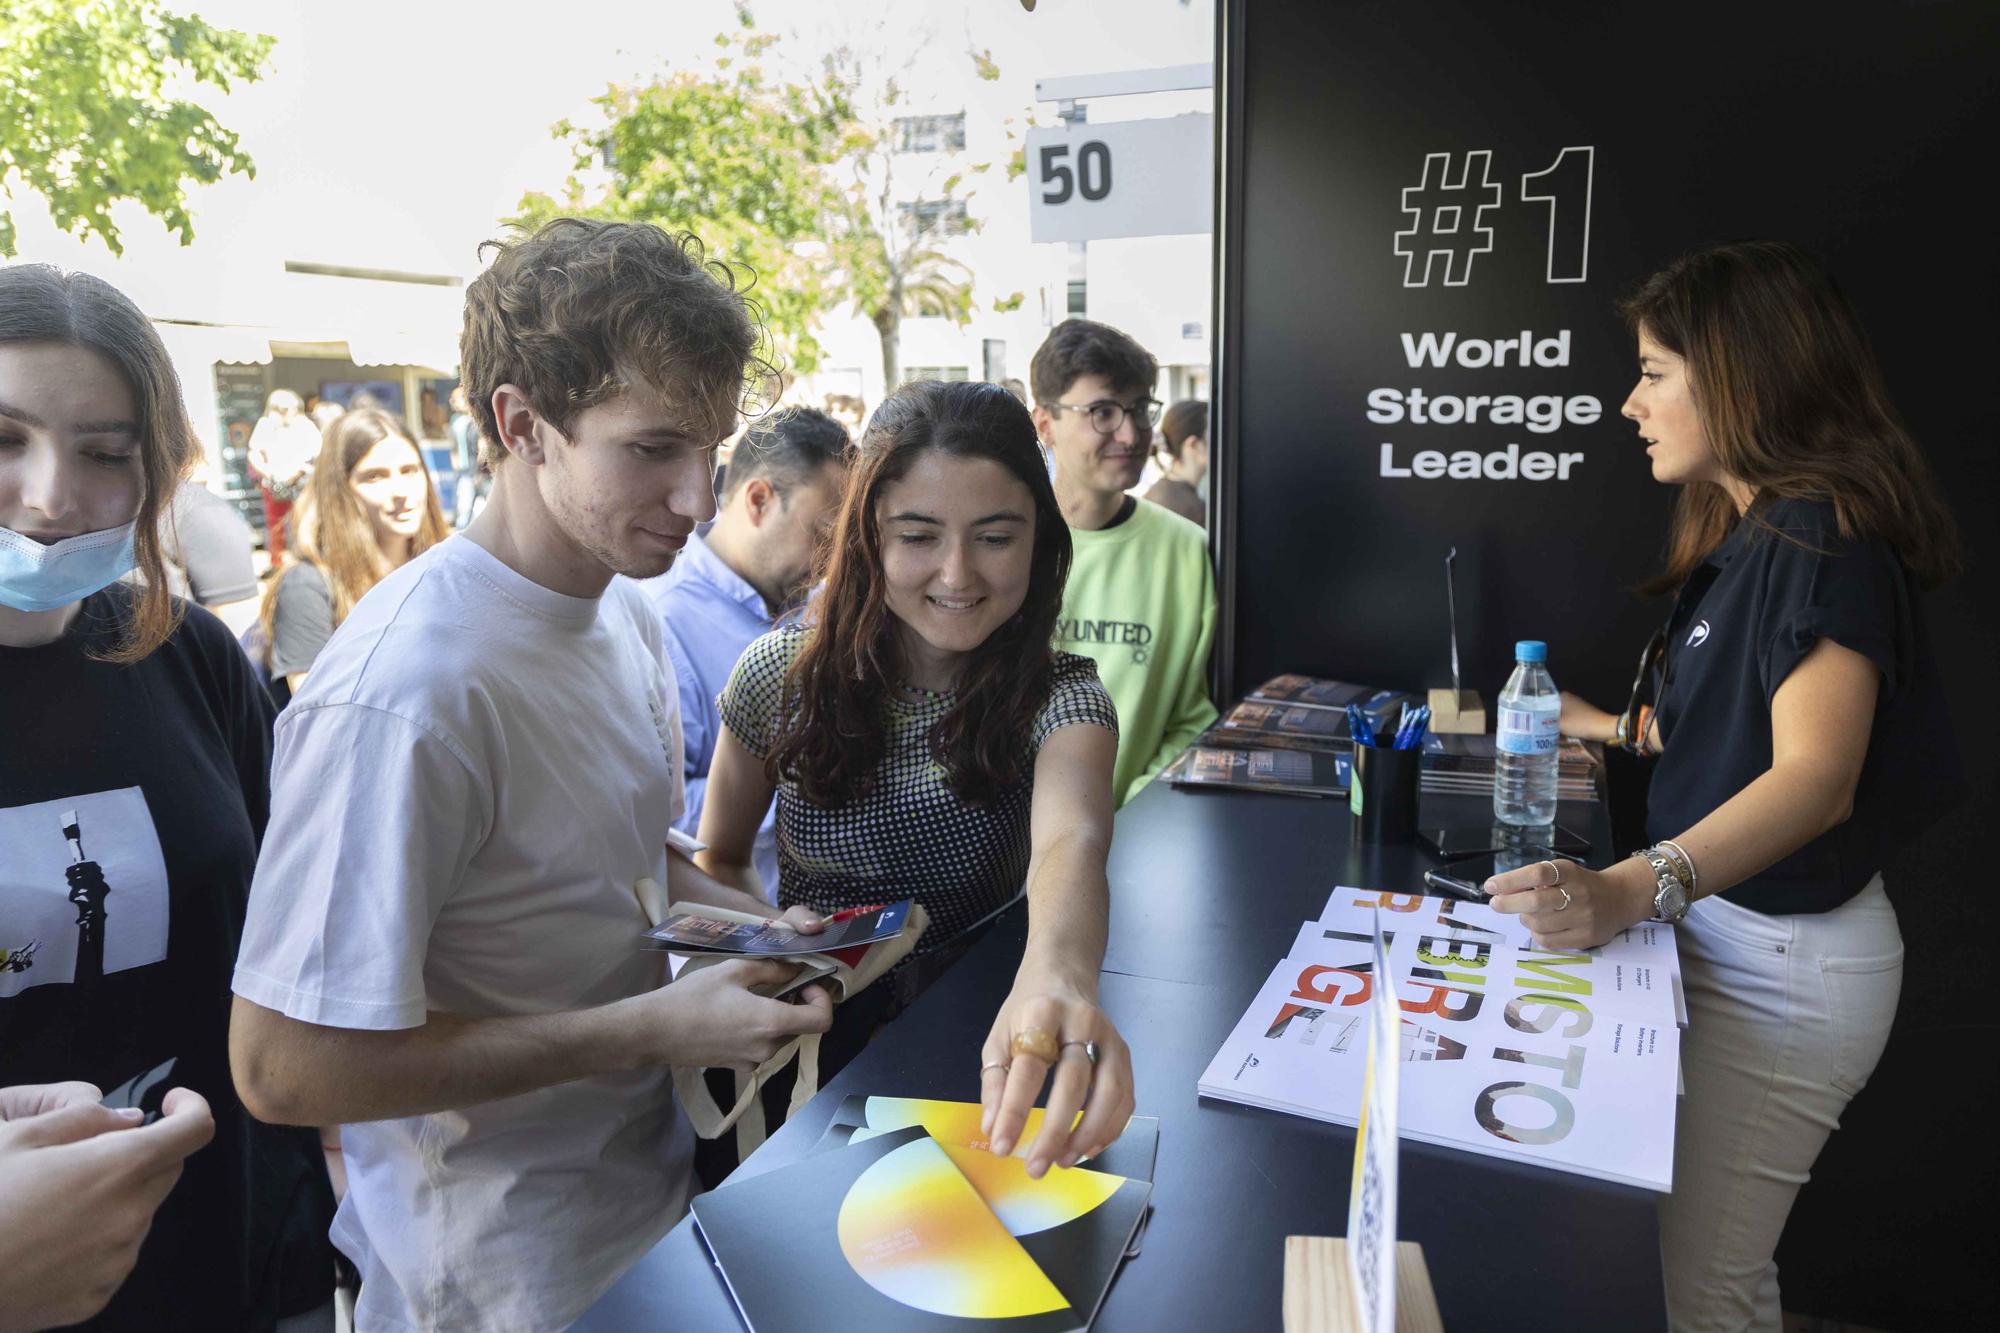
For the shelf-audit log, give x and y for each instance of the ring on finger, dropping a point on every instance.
(991, 1064)
(1555, 883)
(1566, 899)
(1089, 1049)
(1037, 1044)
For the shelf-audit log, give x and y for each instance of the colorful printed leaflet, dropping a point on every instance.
(1295, 772)
(886, 1236)
(1078, 1224)
(1643, 957)
(1565, 1060)
(691, 932)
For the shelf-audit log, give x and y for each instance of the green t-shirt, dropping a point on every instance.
(1141, 604)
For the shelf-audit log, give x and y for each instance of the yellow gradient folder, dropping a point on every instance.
(884, 1235)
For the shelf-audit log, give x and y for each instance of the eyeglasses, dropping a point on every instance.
(1106, 416)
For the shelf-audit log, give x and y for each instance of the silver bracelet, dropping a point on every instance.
(1686, 862)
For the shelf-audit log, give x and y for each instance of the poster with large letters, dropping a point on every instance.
(1429, 214)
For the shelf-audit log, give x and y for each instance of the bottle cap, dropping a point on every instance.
(1531, 650)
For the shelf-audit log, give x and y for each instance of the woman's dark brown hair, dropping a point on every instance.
(849, 667)
(1792, 403)
(42, 304)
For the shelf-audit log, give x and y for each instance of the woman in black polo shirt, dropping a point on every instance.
(1801, 735)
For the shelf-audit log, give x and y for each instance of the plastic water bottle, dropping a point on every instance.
(1524, 770)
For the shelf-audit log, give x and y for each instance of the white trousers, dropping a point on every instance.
(1787, 1016)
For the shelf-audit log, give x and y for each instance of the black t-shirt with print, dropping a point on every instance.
(136, 796)
(1783, 580)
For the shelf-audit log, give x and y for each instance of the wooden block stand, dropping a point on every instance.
(1319, 1297)
(1457, 713)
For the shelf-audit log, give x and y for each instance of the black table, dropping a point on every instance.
(1207, 892)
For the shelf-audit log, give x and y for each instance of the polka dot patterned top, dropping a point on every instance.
(910, 836)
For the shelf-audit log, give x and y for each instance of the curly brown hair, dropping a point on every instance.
(567, 314)
(1792, 402)
(833, 741)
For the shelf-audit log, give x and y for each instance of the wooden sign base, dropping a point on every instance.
(1457, 713)
(1319, 1296)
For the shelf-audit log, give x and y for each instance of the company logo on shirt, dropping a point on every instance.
(1123, 633)
(1698, 635)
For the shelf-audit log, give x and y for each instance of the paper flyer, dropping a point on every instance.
(1564, 1060)
(1371, 1199)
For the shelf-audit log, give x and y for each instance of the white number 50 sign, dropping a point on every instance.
(1121, 178)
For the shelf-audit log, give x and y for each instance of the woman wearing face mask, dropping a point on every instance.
(924, 740)
(1801, 737)
(133, 793)
(368, 509)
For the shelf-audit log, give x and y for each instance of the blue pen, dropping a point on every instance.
(1420, 726)
(1358, 728)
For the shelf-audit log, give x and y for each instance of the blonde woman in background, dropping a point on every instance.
(368, 509)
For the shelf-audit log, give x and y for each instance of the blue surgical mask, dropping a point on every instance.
(34, 577)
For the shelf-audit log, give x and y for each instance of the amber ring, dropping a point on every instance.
(1037, 1044)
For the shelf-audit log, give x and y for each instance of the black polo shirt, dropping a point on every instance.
(1781, 581)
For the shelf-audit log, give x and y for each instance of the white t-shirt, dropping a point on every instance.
(475, 774)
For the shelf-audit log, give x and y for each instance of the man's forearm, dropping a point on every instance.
(289, 1072)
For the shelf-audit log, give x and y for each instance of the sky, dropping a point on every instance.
(395, 135)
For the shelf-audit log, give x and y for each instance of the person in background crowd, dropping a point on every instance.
(130, 826)
(282, 448)
(464, 433)
(849, 411)
(1018, 389)
(1801, 735)
(1141, 595)
(79, 1184)
(324, 413)
(211, 552)
(924, 740)
(1184, 453)
(730, 586)
(440, 953)
(368, 510)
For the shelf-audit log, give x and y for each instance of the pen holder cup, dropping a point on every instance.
(1382, 792)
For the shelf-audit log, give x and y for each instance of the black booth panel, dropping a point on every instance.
(1854, 130)
(1866, 133)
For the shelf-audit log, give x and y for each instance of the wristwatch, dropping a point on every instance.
(1670, 899)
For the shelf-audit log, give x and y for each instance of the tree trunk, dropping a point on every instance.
(888, 323)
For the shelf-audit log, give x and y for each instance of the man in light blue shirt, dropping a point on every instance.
(780, 495)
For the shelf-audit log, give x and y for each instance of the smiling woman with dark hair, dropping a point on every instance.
(925, 740)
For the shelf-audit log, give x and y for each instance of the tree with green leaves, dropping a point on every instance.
(89, 114)
(791, 175)
(732, 154)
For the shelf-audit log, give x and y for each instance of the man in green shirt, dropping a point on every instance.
(1141, 593)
